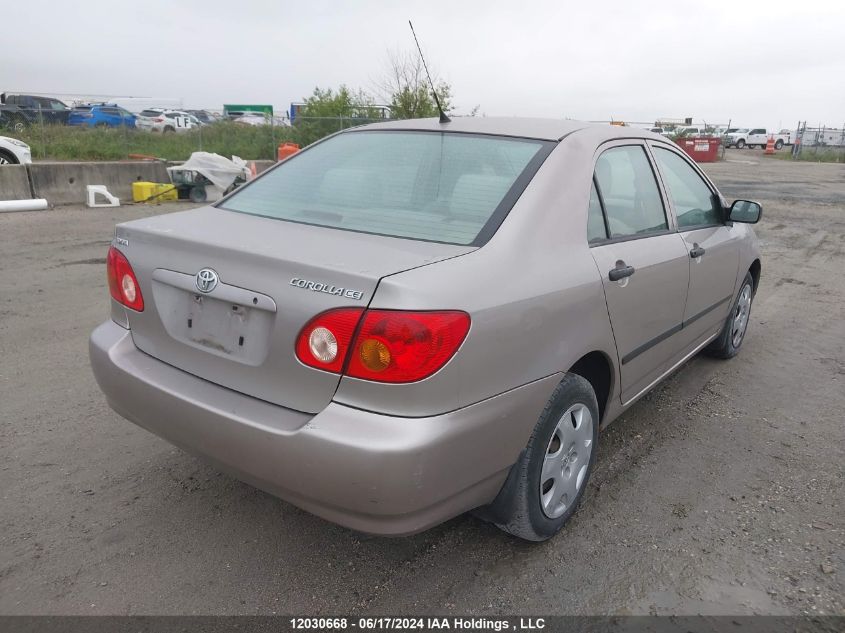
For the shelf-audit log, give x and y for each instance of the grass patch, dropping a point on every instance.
(815, 155)
(61, 142)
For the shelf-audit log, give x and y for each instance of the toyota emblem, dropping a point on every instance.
(207, 280)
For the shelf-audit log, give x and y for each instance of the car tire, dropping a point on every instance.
(168, 129)
(7, 158)
(740, 144)
(197, 194)
(730, 340)
(565, 436)
(779, 144)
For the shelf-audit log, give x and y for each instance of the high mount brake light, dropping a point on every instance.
(123, 284)
(390, 346)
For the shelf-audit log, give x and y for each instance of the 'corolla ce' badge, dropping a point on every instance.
(207, 280)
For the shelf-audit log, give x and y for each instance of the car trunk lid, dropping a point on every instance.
(272, 277)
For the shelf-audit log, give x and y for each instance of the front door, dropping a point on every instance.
(712, 246)
(643, 264)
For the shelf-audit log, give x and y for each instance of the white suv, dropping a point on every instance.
(14, 152)
(160, 120)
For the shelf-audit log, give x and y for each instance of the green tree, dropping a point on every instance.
(406, 89)
(328, 111)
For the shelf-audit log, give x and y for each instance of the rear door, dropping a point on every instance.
(713, 247)
(643, 263)
(757, 136)
(111, 116)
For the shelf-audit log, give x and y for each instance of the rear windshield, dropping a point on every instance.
(441, 187)
(150, 113)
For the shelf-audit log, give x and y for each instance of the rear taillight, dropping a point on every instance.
(159, 119)
(325, 340)
(123, 284)
(390, 345)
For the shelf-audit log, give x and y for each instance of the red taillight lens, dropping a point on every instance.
(397, 346)
(325, 340)
(390, 345)
(158, 119)
(123, 284)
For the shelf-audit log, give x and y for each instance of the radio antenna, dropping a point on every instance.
(443, 117)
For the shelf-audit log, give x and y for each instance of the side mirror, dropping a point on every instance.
(745, 211)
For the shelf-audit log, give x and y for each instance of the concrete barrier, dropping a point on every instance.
(64, 183)
(14, 183)
(262, 165)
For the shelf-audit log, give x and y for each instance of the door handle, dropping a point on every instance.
(620, 272)
(697, 251)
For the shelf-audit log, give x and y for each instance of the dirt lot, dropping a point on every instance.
(721, 492)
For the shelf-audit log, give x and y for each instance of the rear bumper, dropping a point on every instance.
(370, 472)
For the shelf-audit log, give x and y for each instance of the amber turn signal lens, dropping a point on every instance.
(374, 355)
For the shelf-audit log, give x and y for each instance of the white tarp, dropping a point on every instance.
(219, 170)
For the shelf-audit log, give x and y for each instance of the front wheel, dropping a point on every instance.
(733, 333)
(740, 144)
(7, 158)
(548, 481)
(779, 144)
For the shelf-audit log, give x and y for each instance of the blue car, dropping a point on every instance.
(101, 115)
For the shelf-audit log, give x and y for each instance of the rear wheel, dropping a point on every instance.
(546, 485)
(733, 332)
(197, 194)
(7, 158)
(18, 125)
(779, 144)
(168, 129)
(740, 144)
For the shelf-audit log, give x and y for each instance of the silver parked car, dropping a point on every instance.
(414, 319)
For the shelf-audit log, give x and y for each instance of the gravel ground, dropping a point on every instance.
(720, 492)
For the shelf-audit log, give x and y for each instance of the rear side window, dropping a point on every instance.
(691, 197)
(629, 192)
(431, 186)
(596, 231)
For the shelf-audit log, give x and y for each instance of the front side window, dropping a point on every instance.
(629, 192)
(431, 186)
(690, 195)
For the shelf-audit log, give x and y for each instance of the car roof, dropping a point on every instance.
(521, 127)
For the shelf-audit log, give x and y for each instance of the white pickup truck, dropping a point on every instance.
(756, 137)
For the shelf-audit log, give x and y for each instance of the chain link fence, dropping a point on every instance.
(113, 133)
(819, 143)
(55, 133)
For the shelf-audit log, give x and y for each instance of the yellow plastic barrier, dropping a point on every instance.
(153, 192)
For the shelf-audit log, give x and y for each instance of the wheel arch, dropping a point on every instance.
(597, 369)
(756, 270)
(9, 156)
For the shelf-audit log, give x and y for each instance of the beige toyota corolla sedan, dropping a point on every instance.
(410, 320)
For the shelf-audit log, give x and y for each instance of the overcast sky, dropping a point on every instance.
(758, 63)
